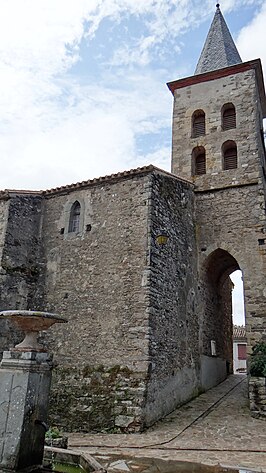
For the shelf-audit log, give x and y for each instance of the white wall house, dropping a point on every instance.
(239, 349)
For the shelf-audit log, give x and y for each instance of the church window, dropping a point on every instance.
(74, 220)
(228, 116)
(199, 161)
(229, 150)
(198, 124)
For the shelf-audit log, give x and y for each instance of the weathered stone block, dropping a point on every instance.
(25, 383)
(257, 396)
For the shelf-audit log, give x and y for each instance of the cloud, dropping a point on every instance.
(251, 42)
(58, 127)
(93, 134)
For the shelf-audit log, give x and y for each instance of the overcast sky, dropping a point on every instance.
(82, 82)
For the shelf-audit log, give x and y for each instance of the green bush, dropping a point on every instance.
(53, 433)
(258, 360)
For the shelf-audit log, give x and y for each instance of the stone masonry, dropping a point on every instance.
(127, 298)
(230, 204)
(139, 263)
(257, 397)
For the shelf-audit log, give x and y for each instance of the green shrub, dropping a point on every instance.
(53, 433)
(258, 360)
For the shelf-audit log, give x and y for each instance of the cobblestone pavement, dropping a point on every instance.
(215, 428)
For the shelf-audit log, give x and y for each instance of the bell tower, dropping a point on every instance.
(218, 145)
(218, 113)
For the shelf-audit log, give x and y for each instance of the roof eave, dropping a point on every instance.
(226, 71)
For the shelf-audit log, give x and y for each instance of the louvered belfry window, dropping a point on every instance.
(74, 219)
(229, 155)
(199, 161)
(228, 117)
(198, 124)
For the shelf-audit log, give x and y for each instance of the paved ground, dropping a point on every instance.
(216, 428)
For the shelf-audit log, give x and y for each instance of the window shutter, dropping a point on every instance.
(230, 159)
(200, 164)
(242, 351)
(199, 126)
(229, 119)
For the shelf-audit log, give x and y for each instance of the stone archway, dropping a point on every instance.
(215, 321)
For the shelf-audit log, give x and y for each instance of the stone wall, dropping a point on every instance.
(239, 89)
(131, 303)
(131, 342)
(215, 327)
(231, 220)
(4, 209)
(230, 203)
(257, 397)
(172, 280)
(21, 262)
(95, 280)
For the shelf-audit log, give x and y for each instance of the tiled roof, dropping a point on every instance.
(219, 50)
(98, 180)
(78, 185)
(239, 332)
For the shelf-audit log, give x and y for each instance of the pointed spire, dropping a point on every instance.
(219, 49)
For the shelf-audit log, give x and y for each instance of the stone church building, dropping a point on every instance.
(139, 261)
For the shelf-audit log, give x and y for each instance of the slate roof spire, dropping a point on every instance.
(219, 49)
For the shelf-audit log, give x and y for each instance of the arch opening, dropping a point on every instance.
(229, 152)
(228, 116)
(198, 161)
(217, 328)
(198, 124)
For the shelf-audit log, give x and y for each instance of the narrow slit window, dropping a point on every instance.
(229, 155)
(74, 220)
(198, 124)
(228, 117)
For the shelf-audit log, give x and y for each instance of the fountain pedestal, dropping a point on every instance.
(25, 386)
(25, 378)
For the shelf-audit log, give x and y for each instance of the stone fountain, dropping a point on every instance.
(25, 378)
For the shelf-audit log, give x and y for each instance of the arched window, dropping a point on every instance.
(74, 220)
(198, 124)
(228, 116)
(229, 151)
(198, 161)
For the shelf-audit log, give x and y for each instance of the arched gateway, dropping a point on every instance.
(216, 327)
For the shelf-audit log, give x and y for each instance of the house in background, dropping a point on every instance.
(239, 349)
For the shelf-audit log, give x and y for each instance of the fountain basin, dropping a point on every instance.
(70, 457)
(31, 322)
(25, 373)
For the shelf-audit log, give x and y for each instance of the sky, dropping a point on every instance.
(238, 298)
(83, 82)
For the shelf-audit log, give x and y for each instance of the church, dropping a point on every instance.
(139, 261)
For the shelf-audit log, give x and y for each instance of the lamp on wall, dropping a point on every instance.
(162, 238)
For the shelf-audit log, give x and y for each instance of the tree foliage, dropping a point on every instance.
(258, 360)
